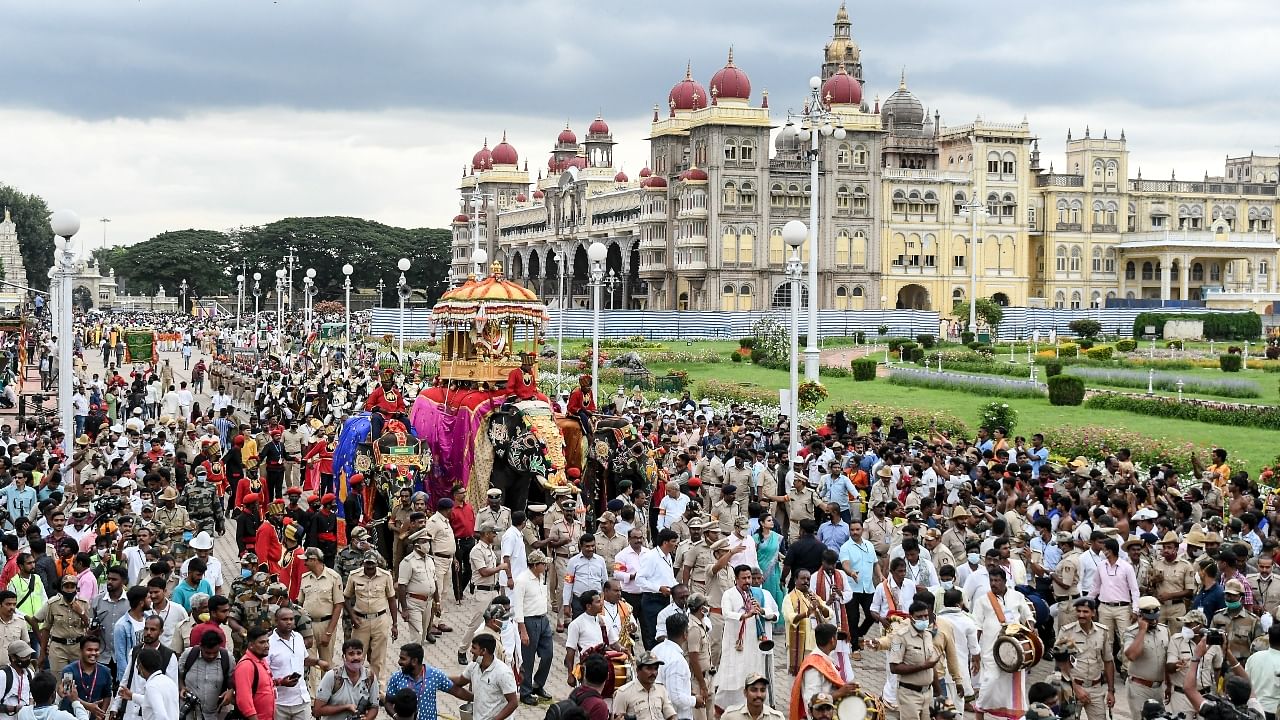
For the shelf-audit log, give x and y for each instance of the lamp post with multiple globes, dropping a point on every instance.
(65, 224)
(402, 289)
(346, 321)
(596, 254)
(794, 234)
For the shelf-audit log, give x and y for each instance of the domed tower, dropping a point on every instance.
(504, 153)
(599, 144)
(902, 113)
(911, 142)
(565, 152)
(842, 50)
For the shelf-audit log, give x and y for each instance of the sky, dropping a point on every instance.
(171, 114)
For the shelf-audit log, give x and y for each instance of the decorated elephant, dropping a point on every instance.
(385, 464)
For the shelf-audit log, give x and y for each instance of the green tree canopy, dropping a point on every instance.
(35, 237)
(987, 309)
(201, 257)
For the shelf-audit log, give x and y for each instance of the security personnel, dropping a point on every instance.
(725, 511)
(1182, 654)
(609, 542)
(1090, 669)
(1266, 589)
(495, 513)
(416, 590)
(351, 557)
(371, 597)
(562, 544)
(1146, 645)
(913, 657)
(443, 546)
(62, 622)
(1236, 622)
(1175, 580)
(323, 532)
(695, 570)
(485, 566)
(1065, 578)
(322, 600)
(171, 517)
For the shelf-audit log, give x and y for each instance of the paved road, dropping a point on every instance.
(870, 671)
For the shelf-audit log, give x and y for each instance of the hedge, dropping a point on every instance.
(1126, 346)
(972, 384)
(926, 341)
(915, 421)
(1066, 390)
(863, 369)
(1052, 369)
(1101, 353)
(1230, 362)
(1217, 326)
(1266, 417)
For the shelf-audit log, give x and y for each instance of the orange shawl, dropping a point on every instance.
(799, 705)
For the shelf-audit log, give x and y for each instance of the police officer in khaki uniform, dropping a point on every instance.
(562, 543)
(495, 513)
(802, 503)
(1090, 670)
(725, 511)
(371, 597)
(62, 622)
(1182, 654)
(1175, 581)
(1065, 578)
(695, 567)
(1266, 586)
(485, 566)
(609, 542)
(913, 657)
(443, 546)
(321, 599)
(1146, 645)
(1236, 622)
(416, 590)
(697, 649)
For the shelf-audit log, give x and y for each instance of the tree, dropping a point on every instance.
(326, 243)
(35, 238)
(108, 258)
(201, 257)
(1085, 328)
(988, 310)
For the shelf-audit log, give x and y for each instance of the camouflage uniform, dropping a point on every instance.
(201, 501)
(350, 560)
(249, 608)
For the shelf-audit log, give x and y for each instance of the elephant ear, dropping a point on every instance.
(500, 438)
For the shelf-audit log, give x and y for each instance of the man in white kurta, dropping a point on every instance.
(1002, 694)
(740, 620)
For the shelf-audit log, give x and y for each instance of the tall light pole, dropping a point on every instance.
(65, 225)
(479, 201)
(381, 286)
(596, 254)
(257, 293)
(182, 288)
(239, 300)
(971, 211)
(563, 250)
(794, 234)
(280, 286)
(309, 290)
(346, 329)
(815, 120)
(479, 259)
(402, 289)
(104, 222)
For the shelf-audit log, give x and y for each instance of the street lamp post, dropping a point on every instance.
(346, 328)
(479, 258)
(596, 254)
(402, 289)
(381, 286)
(816, 119)
(309, 290)
(257, 293)
(280, 287)
(239, 300)
(479, 202)
(561, 300)
(182, 288)
(793, 234)
(971, 211)
(65, 225)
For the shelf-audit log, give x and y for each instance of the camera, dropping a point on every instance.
(1216, 707)
(189, 707)
(1214, 637)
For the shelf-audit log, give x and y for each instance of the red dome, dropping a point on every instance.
(645, 172)
(521, 198)
(503, 153)
(620, 178)
(598, 127)
(731, 82)
(566, 137)
(461, 218)
(483, 159)
(687, 94)
(655, 181)
(842, 89)
(694, 174)
(578, 162)
(538, 194)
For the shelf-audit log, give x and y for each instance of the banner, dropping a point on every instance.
(140, 345)
(333, 330)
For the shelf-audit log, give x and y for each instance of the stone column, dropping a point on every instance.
(1121, 264)
(1164, 277)
(1253, 274)
(1184, 277)
(626, 273)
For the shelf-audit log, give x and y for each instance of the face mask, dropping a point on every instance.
(69, 596)
(245, 572)
(1188, 633)
(974, 558)
(947, 584)
(1235, 605)
(203, 617)
(920, 625)
(353, 666)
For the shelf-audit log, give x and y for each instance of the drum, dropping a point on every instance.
(860, 706)
(620, 663)
(1017, 648)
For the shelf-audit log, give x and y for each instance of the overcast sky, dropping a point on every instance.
(169, 114)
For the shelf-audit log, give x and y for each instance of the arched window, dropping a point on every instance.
(1148, 271)
(844, 156)
(844, 246)
(857, 298)
(1097, 169)
(793, 196)
(858, 250)
(1215, 272)
(731, 150)
(1076, 207)
(1064, 211)
(1059, 300)
(959, 201)
(957, 295)
(777, 199)
(842, 297)
(729, 297)
(860, 155)
(993, 204)
(1130, 271)
(777, 248)
(899, 201)
(1109, 260)
(1112, 169)
(844, 199)
(860, 203)
(747, 152)
(682, 301)
(747, 247)
(1097, 259)
(1061, 258)
(1095, 301)
(747, 195)
(1007, 164)
(808, 195)
(993, 163)
(729, 198)
(1197, 272)
(1075, 300)
(1008, 206)
(729, 246)
(782, 296)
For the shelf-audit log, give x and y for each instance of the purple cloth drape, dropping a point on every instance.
(450, 434)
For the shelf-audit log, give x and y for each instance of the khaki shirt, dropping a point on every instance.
(1266, 592)
(500, 520)
(880, 532)
(913, 647)
(417, 574)
(717, 583)
(723, 514)
(441, 535)
(740, 713)
(609, 547)
(483, 557)
(1066, 576)
(1181, 652)
(15, 629)
(1155, 647)
(370, 594)
(801, 505)
(61, 620)
(633, 699)
(699, 560)
(172, 519)
(564, 529)
(1093, 650)
(320, 596)
(1177, 576)
(956, 541)
(1241, 630)
(698, 640)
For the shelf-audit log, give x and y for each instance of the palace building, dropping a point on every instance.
(900, 197)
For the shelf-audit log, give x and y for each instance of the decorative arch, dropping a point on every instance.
(782, 295)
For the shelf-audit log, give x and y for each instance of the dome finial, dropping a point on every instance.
(688, 70)
(730, 62)
(902, 79)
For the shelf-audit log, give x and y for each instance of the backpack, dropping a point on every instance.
(558, 711)
(234, 713)
(224, 657)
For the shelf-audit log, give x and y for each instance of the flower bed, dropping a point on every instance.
(1266, 417)
(916, 422)
(975, 384)
(1092, 441)
(1168, 382)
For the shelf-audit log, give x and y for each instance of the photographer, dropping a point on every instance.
(349, 691)
(1263, 669)
(1239, 702)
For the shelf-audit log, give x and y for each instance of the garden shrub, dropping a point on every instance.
(999, 415)
(1067, 350)
(860, 338)
(896, 342)
(863, 369)
(926, 341)
(917, 354)
(973, 344)
(735, 357)
(1174, 345)
(1230, 362)
(1066, 390)
(1052, 369)
(973, 384)
(1085, 327)
(747, 342)
(967, 337)
(1167, 381)
(758, 356)
(1126, 346)
(1273, 352)
(1085, 343)
(1217, 326)
(1216, 412)
(1100, 353)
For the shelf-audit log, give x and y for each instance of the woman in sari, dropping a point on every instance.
(769, 554)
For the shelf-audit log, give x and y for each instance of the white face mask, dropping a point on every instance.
(1188, 633)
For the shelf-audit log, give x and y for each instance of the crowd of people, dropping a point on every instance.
(743, 582)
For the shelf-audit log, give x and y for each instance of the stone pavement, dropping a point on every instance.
(871, 671)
